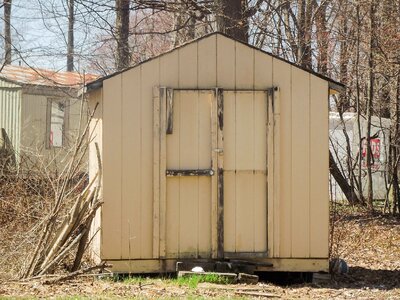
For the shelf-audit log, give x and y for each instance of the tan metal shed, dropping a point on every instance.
(214, 151)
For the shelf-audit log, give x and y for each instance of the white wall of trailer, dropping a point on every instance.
(380, 129)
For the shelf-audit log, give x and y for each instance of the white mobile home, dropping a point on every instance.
(380, 131)
(40, 110)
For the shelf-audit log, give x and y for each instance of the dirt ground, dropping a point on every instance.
(369, 244)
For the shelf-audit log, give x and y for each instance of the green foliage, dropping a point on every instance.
(189, 281)
(194, 280)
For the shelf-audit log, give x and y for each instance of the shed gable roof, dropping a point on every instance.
(98, 83)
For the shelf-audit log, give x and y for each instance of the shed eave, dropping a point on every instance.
(97, 84)
(336, 87)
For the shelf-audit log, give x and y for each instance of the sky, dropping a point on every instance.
(39, 32)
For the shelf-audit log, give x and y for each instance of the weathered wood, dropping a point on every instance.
(276, 168)
(220, 162)
(220, 110)
(270, 175)
(220, 214)
(214, 179)
(163, 179)
(158, 94)
(257, 294)
(319, 278)
(243, 254)
(295, 265)
(247, 278)
(197, 172)
(170, 110)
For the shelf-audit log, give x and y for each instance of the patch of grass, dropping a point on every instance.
(134, 279)
(194, 280)
(189, 281)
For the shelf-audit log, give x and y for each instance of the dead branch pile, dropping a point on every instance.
(62, 235)
(73, 231)
(46, 208)
(7, 155)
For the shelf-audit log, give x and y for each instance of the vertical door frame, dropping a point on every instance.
(218, 152)
(273, 171)
(161, 95)
(156, 170)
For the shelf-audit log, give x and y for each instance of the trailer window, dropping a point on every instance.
(57, 118)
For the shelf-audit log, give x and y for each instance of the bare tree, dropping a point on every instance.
(231, 18)
(7, 31)
(322, 37)
(369, 104)
(304, 26)
(122, 33)
(70, 43)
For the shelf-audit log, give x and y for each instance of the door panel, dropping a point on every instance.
(188, 199)
(245, 176)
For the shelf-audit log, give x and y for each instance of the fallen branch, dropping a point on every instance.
(257, 294)
(80, 272)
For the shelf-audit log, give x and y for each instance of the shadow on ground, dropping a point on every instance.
(357, 278)
(363, 277)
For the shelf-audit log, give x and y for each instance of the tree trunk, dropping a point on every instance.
(304, 28)
(396, 189)
(231, 18)
(288, 14)
(122, 33)
(7, 32)
(347, 189)
(184, 24)
(70, 46)
(322, 37)
(371, 92)
(358, 104)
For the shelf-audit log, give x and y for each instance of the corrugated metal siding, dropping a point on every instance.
(10, 112)
(33, 122)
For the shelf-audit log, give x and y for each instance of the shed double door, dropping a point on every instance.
(210, 173)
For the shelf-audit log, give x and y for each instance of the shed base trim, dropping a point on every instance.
(265, 264)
